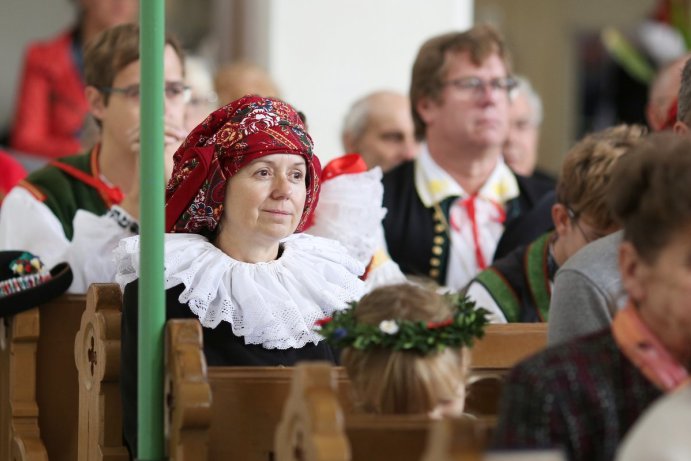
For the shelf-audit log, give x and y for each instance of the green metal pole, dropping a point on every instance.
(151, 287)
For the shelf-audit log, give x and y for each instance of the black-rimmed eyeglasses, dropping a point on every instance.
(476, 85)
(574, 217)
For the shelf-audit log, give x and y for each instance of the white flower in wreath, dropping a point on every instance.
(390, 327)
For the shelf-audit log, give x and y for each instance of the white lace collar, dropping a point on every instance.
(274, 304)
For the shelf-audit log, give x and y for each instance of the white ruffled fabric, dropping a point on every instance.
(350, 211)
(274, 304)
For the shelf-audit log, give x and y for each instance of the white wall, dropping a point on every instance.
(22, 21)
(325, 54)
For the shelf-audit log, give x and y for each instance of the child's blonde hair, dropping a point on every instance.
(388, 381)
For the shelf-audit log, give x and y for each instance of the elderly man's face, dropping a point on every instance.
(389, 136)
(520, 148)
(472, 117)
(662, 290)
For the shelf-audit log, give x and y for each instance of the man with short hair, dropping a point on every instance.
(379, 127)
(78, 208)
(448, 208)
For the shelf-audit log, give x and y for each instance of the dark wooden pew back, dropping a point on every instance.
(39, 380)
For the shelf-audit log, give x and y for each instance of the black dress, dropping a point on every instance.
(221, 347)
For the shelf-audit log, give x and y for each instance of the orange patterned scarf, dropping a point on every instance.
(644, 349)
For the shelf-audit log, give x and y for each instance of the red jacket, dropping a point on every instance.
(51, 108)
(12, 173)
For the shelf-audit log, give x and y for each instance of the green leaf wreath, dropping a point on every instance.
(466, 324)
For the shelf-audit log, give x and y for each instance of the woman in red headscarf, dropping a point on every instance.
(245, 181)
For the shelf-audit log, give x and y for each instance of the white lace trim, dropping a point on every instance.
(274, 304)
(350, 211)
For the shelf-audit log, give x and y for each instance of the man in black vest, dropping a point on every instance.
(448, 208)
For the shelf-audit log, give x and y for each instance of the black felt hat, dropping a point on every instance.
(24, 284)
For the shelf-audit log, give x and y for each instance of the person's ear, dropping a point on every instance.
(97, 104)
(560, 218)
(632, 269)
(680, 128)
(652, 117)
(424, 108)
(349, 143)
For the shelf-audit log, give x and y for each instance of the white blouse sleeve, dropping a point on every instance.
(90, 253)
(28, 224)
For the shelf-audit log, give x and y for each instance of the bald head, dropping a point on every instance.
(236, 80)
(379, 127)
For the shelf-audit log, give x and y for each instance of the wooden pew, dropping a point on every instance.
(456, 440)
(40, 382)
(20, 437)
(188, 393)
(463, 440)
(502, 347)
(312, 421)
(314, 428)
(216, 434)
(261, 391)
(96, 352)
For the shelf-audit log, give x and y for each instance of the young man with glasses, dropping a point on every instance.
(518, 287)
(78, 208)
(448, 208)
(588, 289)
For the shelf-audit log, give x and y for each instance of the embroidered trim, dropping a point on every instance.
(123, 219)
(33, 190)
(29, 271)
(537, 274)
(111, 195)
(502, 292)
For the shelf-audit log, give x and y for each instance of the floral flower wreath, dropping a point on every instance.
(467, 323)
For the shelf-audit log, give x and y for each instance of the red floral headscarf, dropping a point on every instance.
(230, 138)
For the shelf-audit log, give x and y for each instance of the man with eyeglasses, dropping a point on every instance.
(518, 287)
(448, 208)
(78, 208)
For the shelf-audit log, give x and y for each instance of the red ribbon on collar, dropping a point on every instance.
(112, 195)
(346, 164)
